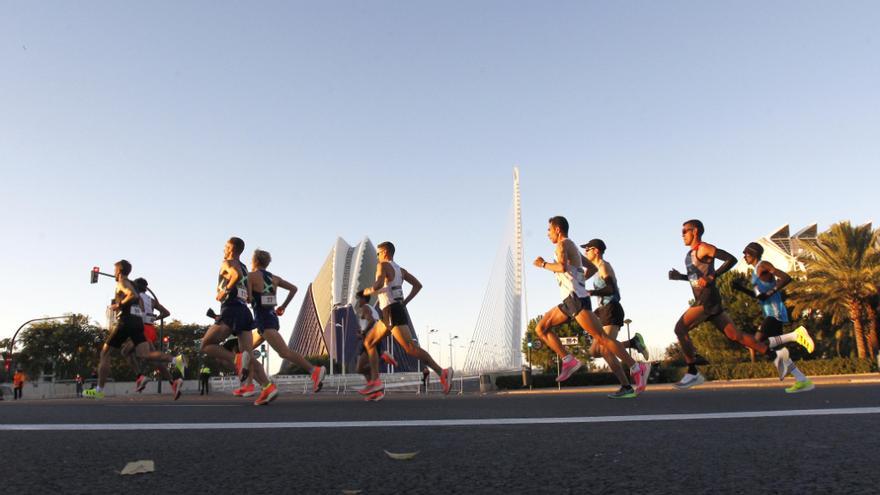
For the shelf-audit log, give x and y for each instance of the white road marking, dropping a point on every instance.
(438, 422)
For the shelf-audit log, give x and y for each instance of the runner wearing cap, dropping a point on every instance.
(568, 269)
(767, 284)
(609, 312)
(708, 306)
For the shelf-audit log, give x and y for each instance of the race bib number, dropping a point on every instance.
(242, 294)
(137, 311)
(267, 300)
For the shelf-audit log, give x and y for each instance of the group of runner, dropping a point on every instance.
(134, 334)
(572, 269)
(236, 288)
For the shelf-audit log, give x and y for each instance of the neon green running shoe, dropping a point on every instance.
(93, 394)
(623, 393)
(798, 387)
(804, 339)
(639, 341)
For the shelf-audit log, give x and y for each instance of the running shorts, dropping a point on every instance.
(127, 327)
(572, 305)
(265, 318)
(394, 315)
(611, 314)
(150, 332)
(237, 316)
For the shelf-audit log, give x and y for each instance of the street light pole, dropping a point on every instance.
(451, 338)
(627, 322)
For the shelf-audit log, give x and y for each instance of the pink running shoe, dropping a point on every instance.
(245, 391)
(375, 396)
(389, 359)
(372, 387)
(140, 383)
(568, 369)
(641, 377)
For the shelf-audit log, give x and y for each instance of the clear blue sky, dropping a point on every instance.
(155, 131)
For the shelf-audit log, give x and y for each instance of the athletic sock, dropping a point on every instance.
(796, 373)
(782, 339)
(692, 369)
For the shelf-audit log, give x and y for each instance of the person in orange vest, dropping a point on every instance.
(18, 383)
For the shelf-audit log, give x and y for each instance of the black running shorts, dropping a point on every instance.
(771, 327)
(127, 327)
(611, 314)
(394, 315)
(572, 305)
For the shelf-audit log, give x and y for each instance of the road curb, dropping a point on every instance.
(859, 379)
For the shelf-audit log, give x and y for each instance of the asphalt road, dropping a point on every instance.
(661, 452)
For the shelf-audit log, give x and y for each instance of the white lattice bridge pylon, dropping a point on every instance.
(497, 339)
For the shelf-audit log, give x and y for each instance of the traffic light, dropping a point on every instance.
(165, 340)
(95, 272)
(7, 361)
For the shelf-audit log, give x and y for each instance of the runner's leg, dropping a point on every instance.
(544, 330)
(403, 336)
(274, 339)
(690, 319)
(211, 344)
(588, 321)
(371, 343)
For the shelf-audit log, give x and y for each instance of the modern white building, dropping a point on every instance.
(327, 323)
(782, 249)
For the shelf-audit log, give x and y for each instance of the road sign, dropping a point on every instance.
(569, 340)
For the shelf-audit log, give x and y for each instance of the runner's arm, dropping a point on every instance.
(728, 259)
(557, 267)
(782, 279)
(291, 290)
(589, 268)
(677, 275)
(416, 286)
(380, 280)
(163, 311)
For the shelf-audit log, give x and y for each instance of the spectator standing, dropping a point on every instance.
(18, 383)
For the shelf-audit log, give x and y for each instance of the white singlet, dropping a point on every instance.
(572, 280)
(364, 322)
(147, 301)
(392, 292)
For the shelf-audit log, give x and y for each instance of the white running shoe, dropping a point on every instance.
(690, 380)
(782, 362)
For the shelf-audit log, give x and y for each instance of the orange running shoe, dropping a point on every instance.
(268, 394)
(245, 391)
(389, 359)
(318, 378)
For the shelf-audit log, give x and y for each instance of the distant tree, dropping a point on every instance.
(63, 348)
(841, 273)
(544, 357)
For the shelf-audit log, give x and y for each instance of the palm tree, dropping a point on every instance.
(842, 270)
(871, 305)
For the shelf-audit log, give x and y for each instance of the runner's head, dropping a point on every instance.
(122, 268)
(361, 298)
(140, 284)
(385, 251)
(261, 259)
(233, 249)
(692, 231)
(753, 253)
(557, 229)
(594, 250)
